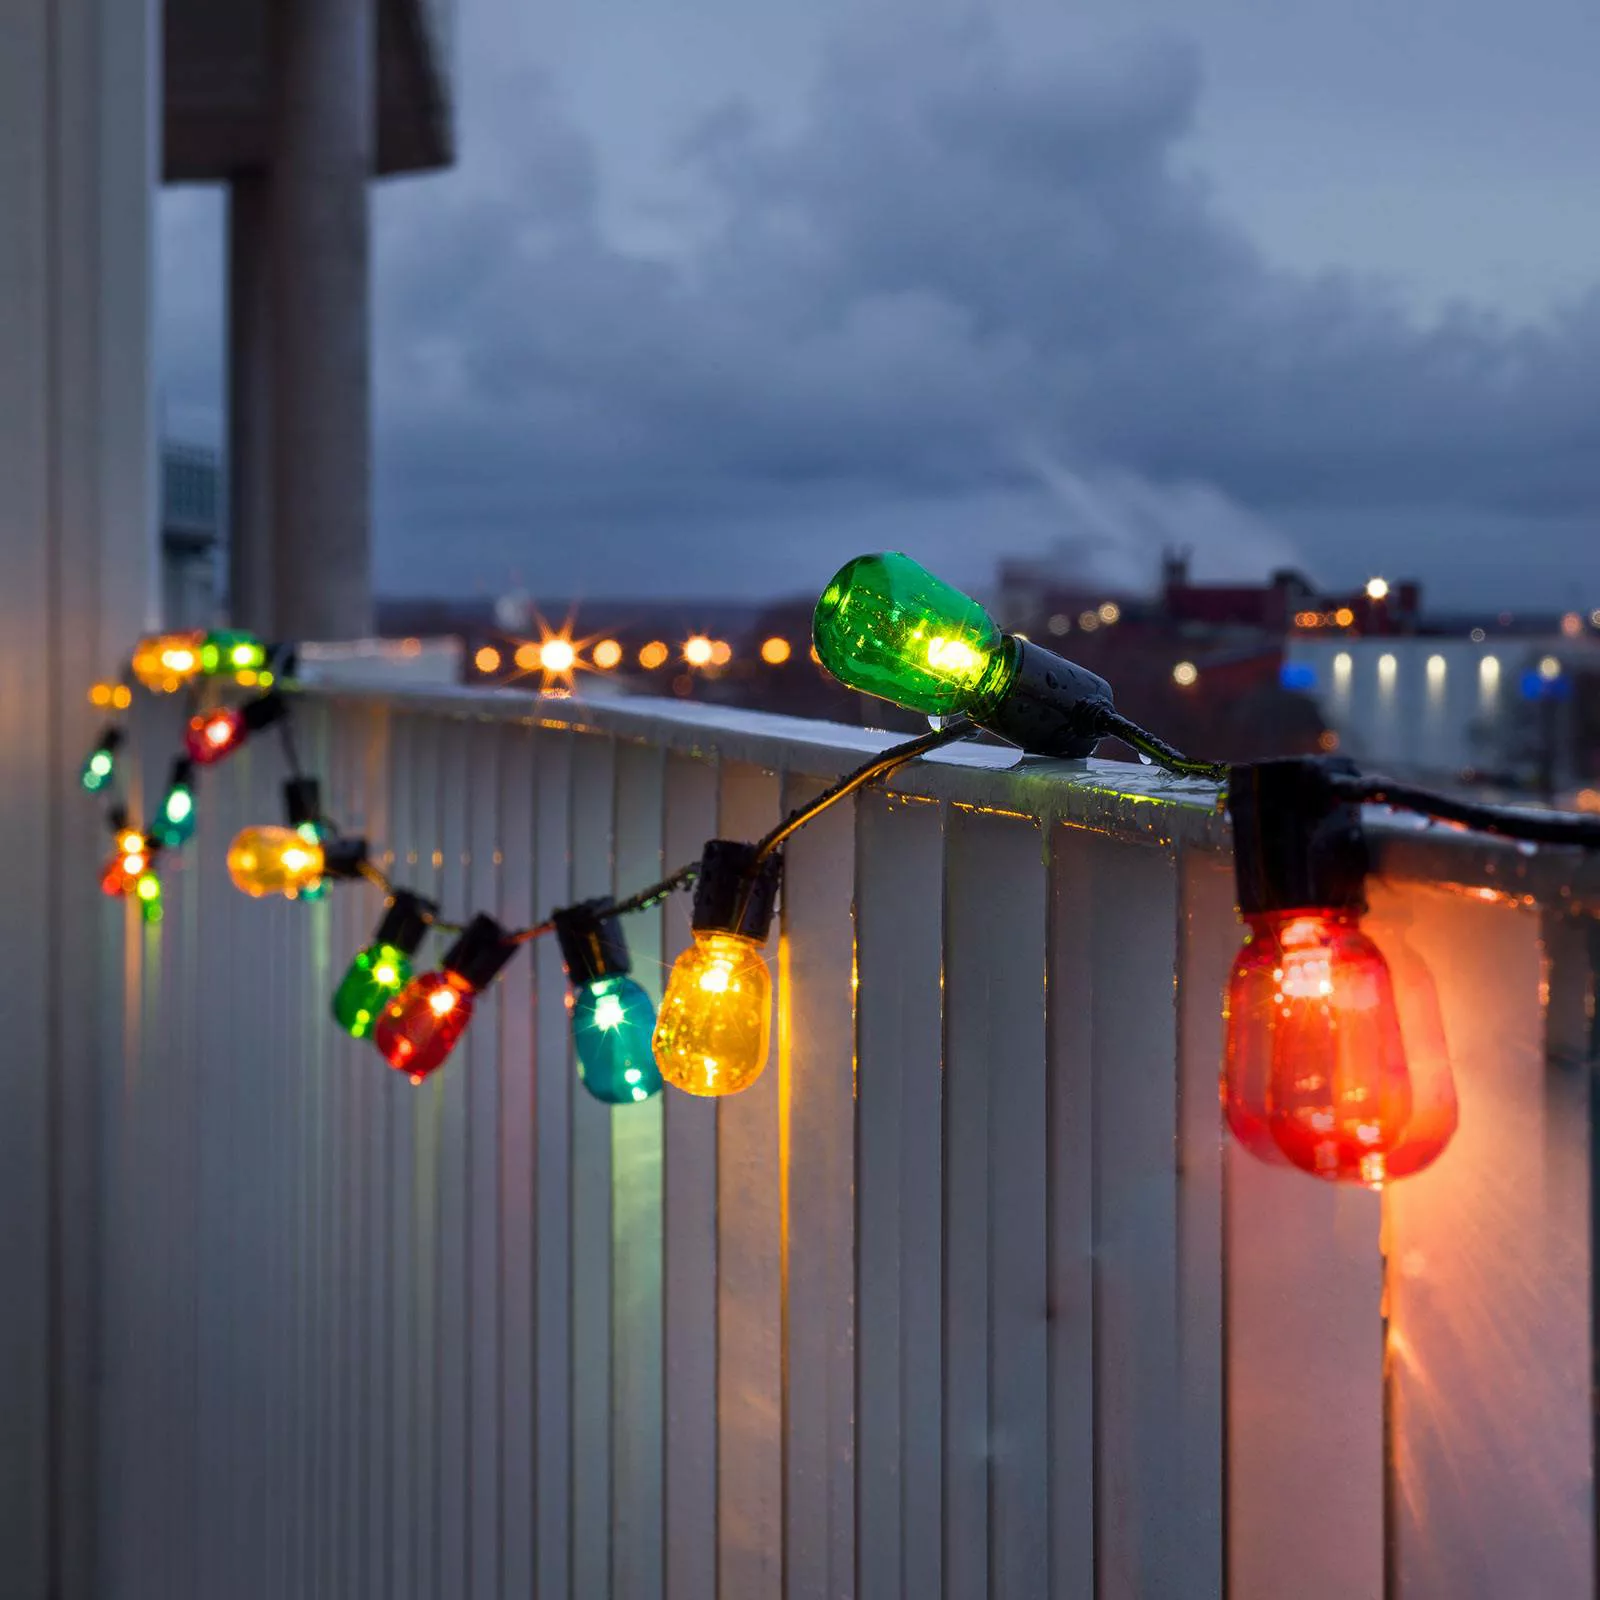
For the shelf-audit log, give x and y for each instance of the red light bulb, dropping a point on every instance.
(214, 734)
(1315, 1059)
(418, 1029)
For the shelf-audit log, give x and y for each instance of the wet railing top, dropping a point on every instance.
(1139, 803)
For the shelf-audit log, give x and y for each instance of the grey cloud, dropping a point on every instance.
(964, 277)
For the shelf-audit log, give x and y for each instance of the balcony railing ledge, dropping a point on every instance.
(1137, 804)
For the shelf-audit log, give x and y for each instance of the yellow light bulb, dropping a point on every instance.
(165, 661)
(557, 655)
(775, 651)
(607, 654)
(698, 650)
(272, 860)
(715, 1025)
(653, 655)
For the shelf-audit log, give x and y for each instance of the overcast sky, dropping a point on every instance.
(722, 293)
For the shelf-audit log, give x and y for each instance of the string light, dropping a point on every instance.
(164, 662)
(775, 651)
(607, 654)
(721, 652)
(231, 652)
(887, 626)
(1315, 1064)
(487, 660)
(214, 735)
(176, 817)
(715, 1026)
(419, 1028)
(100, 765)
(698, 650)
(269, 859)
(379, 972)
(612, 1017)
(653, 655)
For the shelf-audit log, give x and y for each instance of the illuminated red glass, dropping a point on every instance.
(1434, 1109)
(418, 1029)
(1315, 1062)
(214, 734)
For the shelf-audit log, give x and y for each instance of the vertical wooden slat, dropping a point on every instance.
(1489, 1334)
(817, 1067)
(457, 781)
(1072, 940)
(1206, 946)
(749, 1284)
(552, 1186)
(482, 1476)
(402, 1438)
(689, 1197)
(637, 1429)
(518, 908)
(996, 1419)
(1140, 1545)
(899, 1267)
(593, 792)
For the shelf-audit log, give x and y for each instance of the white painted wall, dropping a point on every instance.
(78, 98)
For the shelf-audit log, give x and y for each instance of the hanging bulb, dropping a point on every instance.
(130, 861)
(1312, 1021)
(273, 860)
(164, 662)
(888, 627)
(175, 817)
(101, 763)
(1315, 1062)
(215, 734)
(383, 969)
(715, 1025)
(419, 1028)
(227, 652)
(612, 1017)
(147, 890)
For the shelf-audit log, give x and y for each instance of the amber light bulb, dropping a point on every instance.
(1314, 1041)
(715, 1026)
(418, 1029)
(275, 860)
(714, 1029)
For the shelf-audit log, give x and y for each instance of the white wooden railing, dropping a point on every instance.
(967, 1297)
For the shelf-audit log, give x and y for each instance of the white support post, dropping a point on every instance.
(78, 94)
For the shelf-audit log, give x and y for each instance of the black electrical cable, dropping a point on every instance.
(1526, 826)
(1113, 724)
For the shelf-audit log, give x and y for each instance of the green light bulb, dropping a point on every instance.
(97, 770)
(887, 626)
(148, 889)
(373, 979)
(231, 650)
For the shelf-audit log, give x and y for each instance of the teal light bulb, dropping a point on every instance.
(314, 833)
(612, 1024)
(175, 820)
(100, 765)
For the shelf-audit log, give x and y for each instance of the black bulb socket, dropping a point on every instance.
(480, 952)
(302, 802)
(263, 711)
(343, 858)
(405, 922)
(1053, 707)
(734, 893)
(110, 740)
(181, 774)
(593, 945)
(1298, 844)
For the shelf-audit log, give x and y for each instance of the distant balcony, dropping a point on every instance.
(216, 77)
(968, 1296)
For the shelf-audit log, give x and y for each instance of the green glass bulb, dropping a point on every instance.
(374, 978)
(175, 821)
(148, 889)
(612, 1023)
(231, 650)
(887, 626)
(97, 770)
